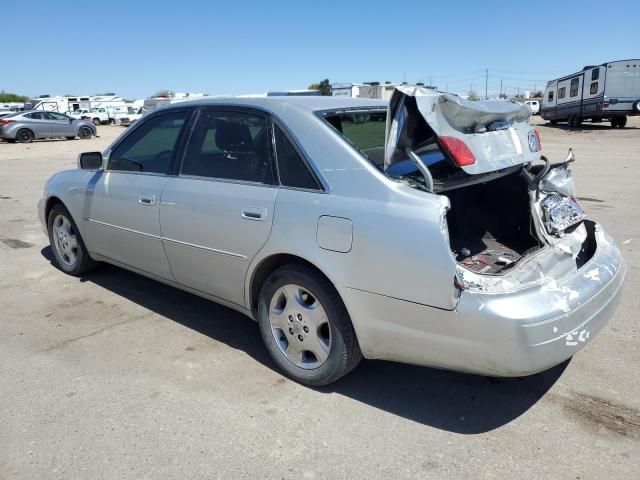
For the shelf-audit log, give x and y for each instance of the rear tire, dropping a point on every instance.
(96, 121)
(301, 313)
(70, 254)
(622, 122)
(24, 136)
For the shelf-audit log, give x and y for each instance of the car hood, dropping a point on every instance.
(497, 132)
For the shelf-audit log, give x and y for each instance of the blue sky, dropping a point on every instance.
(136, 48)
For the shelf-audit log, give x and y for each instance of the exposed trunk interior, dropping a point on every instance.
(490, 224)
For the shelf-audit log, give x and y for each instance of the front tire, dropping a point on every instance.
(85, 133)
(305, 326)
(69, 251)
(96, 121)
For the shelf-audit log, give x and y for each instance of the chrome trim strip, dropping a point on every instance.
(125, 229)
(171, 240)
(208, 249)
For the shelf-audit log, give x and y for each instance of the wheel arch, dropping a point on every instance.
(25, 128)
(52, 201)
(268, 265)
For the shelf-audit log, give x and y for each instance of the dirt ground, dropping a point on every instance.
(117, 376)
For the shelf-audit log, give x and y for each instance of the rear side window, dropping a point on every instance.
(550, 97)
(364, 129)
(35, 115)
(573, 91)
(229, 145)
(562, 92)
(152, 146)
(594, 88)
(293, 170)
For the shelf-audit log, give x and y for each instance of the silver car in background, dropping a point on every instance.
(25, 127)
(428, 231)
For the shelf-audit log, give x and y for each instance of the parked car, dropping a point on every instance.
(454, 244)
(534, 105)
(24, 127)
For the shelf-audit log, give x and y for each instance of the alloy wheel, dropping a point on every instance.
(300, 326)
(65, 241)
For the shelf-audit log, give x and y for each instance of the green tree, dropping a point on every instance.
(324, 86)
(12, 97)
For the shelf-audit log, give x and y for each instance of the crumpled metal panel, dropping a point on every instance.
(496, 131)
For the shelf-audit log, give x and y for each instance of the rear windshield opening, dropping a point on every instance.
(365, 131)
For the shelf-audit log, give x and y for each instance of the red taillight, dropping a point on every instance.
(458, 151)
(535, 145)
(6, 122)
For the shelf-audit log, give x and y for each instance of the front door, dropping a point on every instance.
(60, 125)
(217, 214)
(122, 210)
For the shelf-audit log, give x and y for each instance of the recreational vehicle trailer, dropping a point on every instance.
(65, 104)
(151, 103)
(610, 91)
(58, 103)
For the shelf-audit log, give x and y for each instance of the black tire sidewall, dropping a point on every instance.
(84, 261)
(31, 136)
(84, 129)
(337, 363)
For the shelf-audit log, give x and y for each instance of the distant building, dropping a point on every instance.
(346, 89)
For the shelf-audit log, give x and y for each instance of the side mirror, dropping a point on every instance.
(90, 161)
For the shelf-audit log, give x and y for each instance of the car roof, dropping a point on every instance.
(307, 103)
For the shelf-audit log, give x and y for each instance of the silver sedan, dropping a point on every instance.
(429, 231)
(25, 127)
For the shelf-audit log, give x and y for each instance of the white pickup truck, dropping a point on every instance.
(126, 119)
(99, 116)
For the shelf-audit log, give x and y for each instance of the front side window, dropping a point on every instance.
(573, 91)
(150, 148)
(229, 145)
(550, 97)
(292, 168)
(594, 88)
(56, 116)
(562, 91)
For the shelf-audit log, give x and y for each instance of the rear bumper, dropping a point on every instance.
(508, 334)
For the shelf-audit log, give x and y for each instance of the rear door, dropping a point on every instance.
(123, 202)
(38, 124)
(217, 213)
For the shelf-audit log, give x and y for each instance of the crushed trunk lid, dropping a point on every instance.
(480, 137)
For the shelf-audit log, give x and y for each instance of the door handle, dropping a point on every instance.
(145, 199)
(254, 213)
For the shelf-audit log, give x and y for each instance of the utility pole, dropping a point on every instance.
(486, 83)
(501, 87)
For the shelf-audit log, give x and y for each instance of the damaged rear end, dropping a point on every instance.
(542, 277)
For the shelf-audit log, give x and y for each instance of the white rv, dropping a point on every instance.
(151, 103)
(58, 103)
(610, 91)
